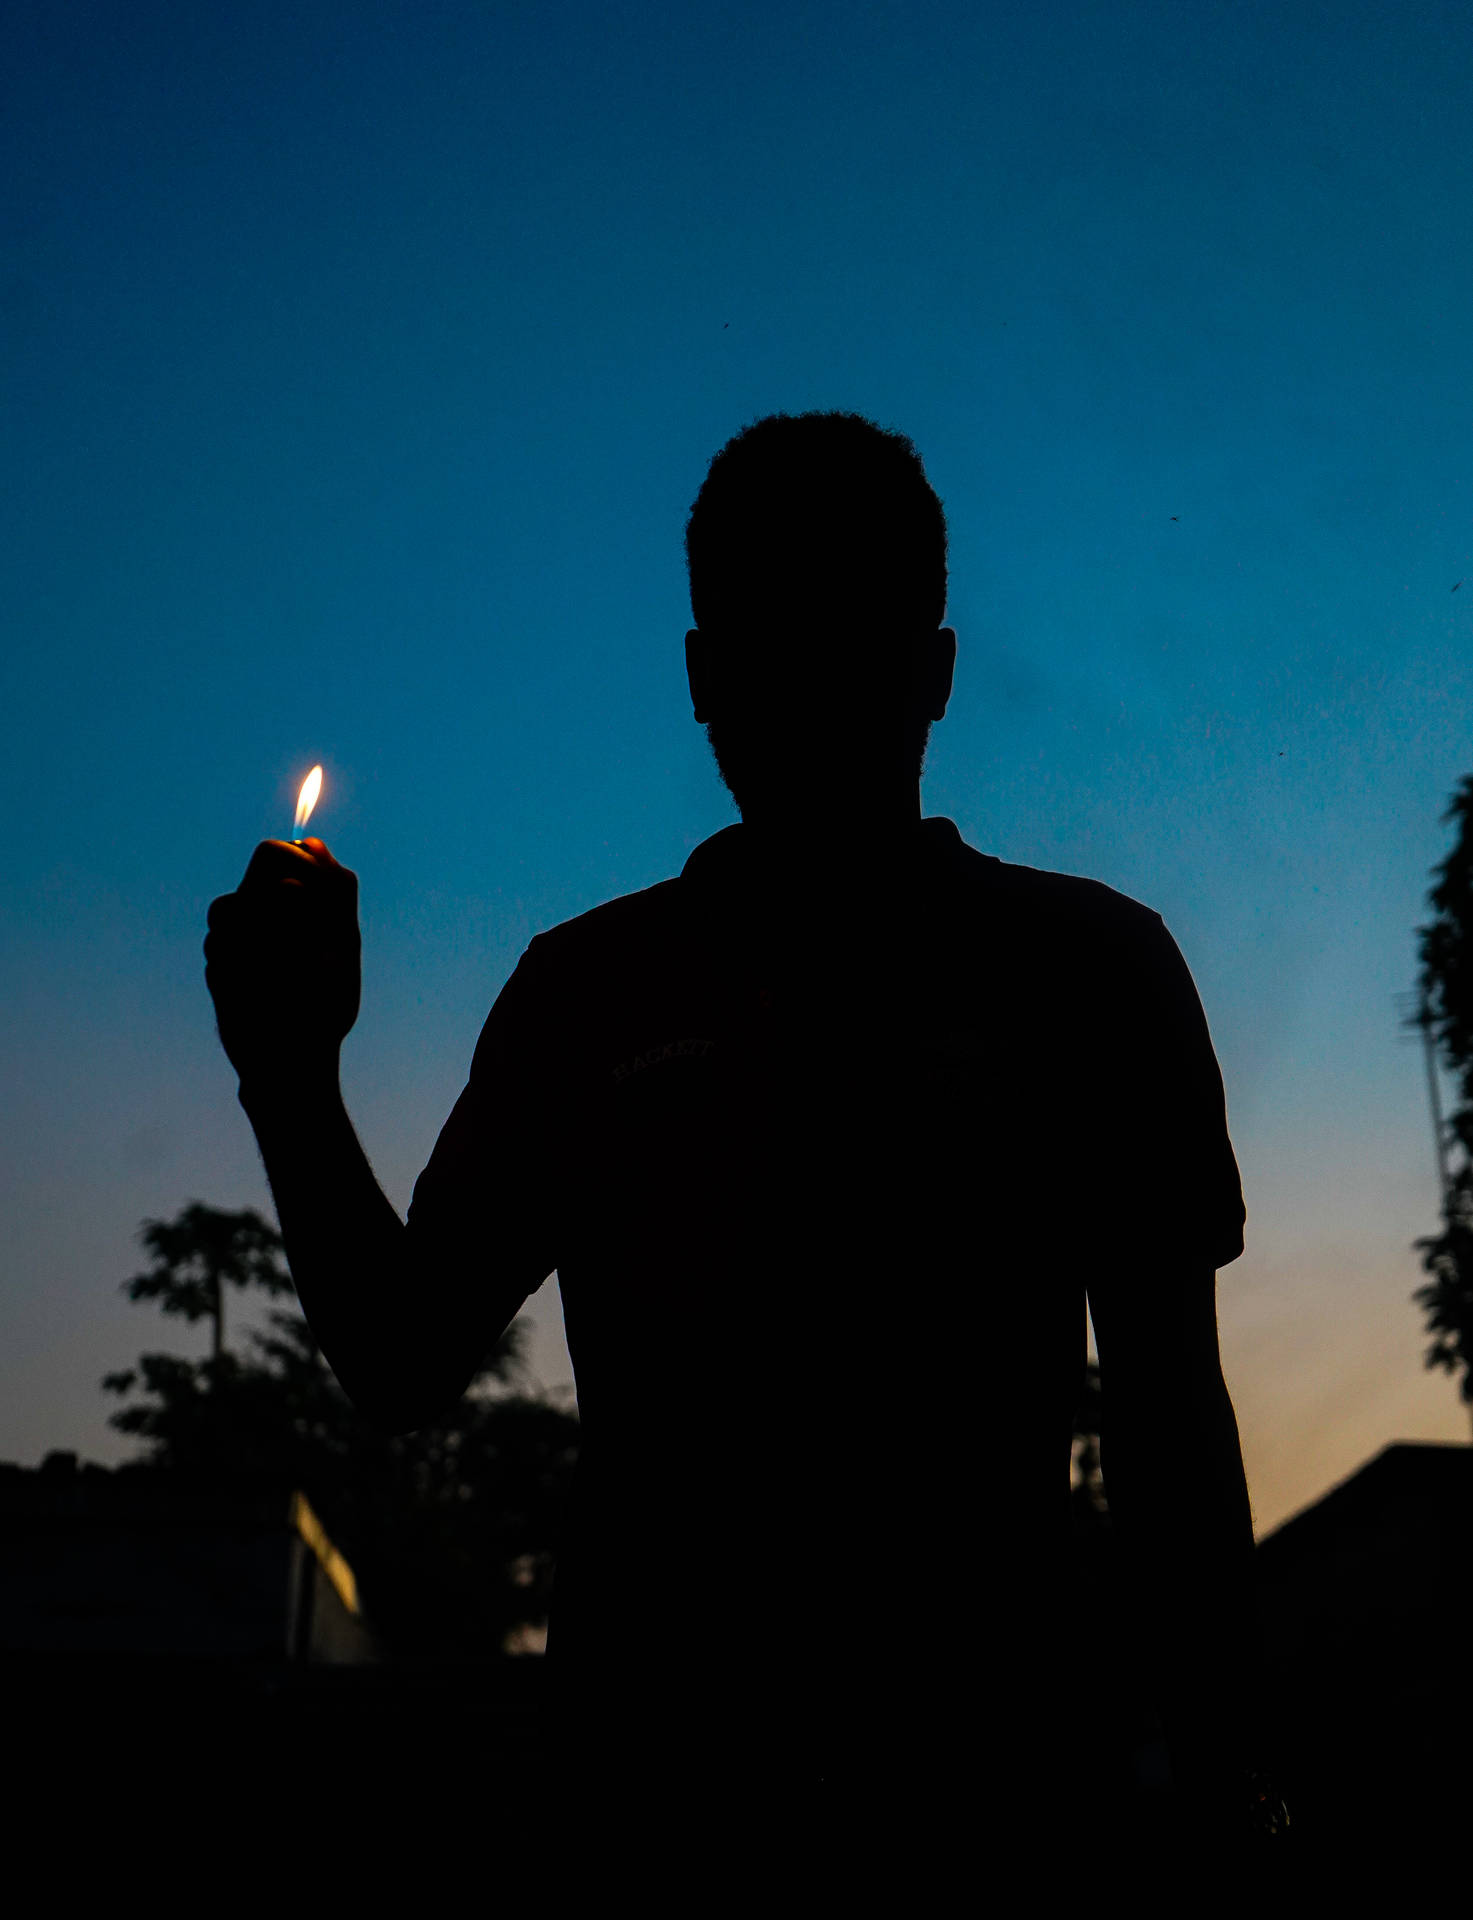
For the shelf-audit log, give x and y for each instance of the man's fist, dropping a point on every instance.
(282, 963)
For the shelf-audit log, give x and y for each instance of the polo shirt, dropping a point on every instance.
(823, 1166)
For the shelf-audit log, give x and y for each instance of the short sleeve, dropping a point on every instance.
(1173, 1183)
(483, 1203)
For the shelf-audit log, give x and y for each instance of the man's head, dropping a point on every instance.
(817, 559)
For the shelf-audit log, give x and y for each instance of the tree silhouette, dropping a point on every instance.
(452, 1531)
(1445, 983)
(196, 1252)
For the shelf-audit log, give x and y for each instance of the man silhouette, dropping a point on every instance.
(828, 1139)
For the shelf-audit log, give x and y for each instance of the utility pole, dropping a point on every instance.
(1421, 1016)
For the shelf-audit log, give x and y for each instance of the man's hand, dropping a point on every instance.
(1238, 1830)
(282, 963)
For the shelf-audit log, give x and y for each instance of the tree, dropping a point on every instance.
(452, 1531)
(195, 1253)
(1445, 949)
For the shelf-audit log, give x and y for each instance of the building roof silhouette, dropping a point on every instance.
(136, 1565)
(1351, 1584)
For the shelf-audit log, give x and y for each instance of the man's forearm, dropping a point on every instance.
(345, 1244)
(1179, 1504)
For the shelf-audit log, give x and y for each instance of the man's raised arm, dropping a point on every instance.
(349, 1253)
(398, 1321)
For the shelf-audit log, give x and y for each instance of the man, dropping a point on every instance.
(827, 1139)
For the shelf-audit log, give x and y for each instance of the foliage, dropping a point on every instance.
(1446, 984)
(451, 1531)
(198, 1251)
(1447, 1299)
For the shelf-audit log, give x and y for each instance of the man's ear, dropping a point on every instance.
(697, 673)
(940, 671)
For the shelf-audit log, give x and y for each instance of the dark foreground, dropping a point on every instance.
(332, 1778)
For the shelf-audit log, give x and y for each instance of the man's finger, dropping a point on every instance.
(277, 860)
(241, 914)
(326, 862)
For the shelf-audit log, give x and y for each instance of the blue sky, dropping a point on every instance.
(361, 366)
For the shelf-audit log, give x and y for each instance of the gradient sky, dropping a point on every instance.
(361, 364)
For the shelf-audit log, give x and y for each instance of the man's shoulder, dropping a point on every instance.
(613, 926)
(1039, 896)
(1046, 895)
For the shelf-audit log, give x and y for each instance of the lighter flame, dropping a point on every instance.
(307, 798)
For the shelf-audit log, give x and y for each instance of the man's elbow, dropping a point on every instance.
(391, 1406)
(403, 1415)
(387, 1423)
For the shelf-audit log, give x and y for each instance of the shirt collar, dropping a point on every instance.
(735, 855)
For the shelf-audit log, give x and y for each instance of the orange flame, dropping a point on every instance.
(307, 800)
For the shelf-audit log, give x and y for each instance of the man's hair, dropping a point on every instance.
(817, 517)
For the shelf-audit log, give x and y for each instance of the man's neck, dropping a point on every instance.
(833, 839)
